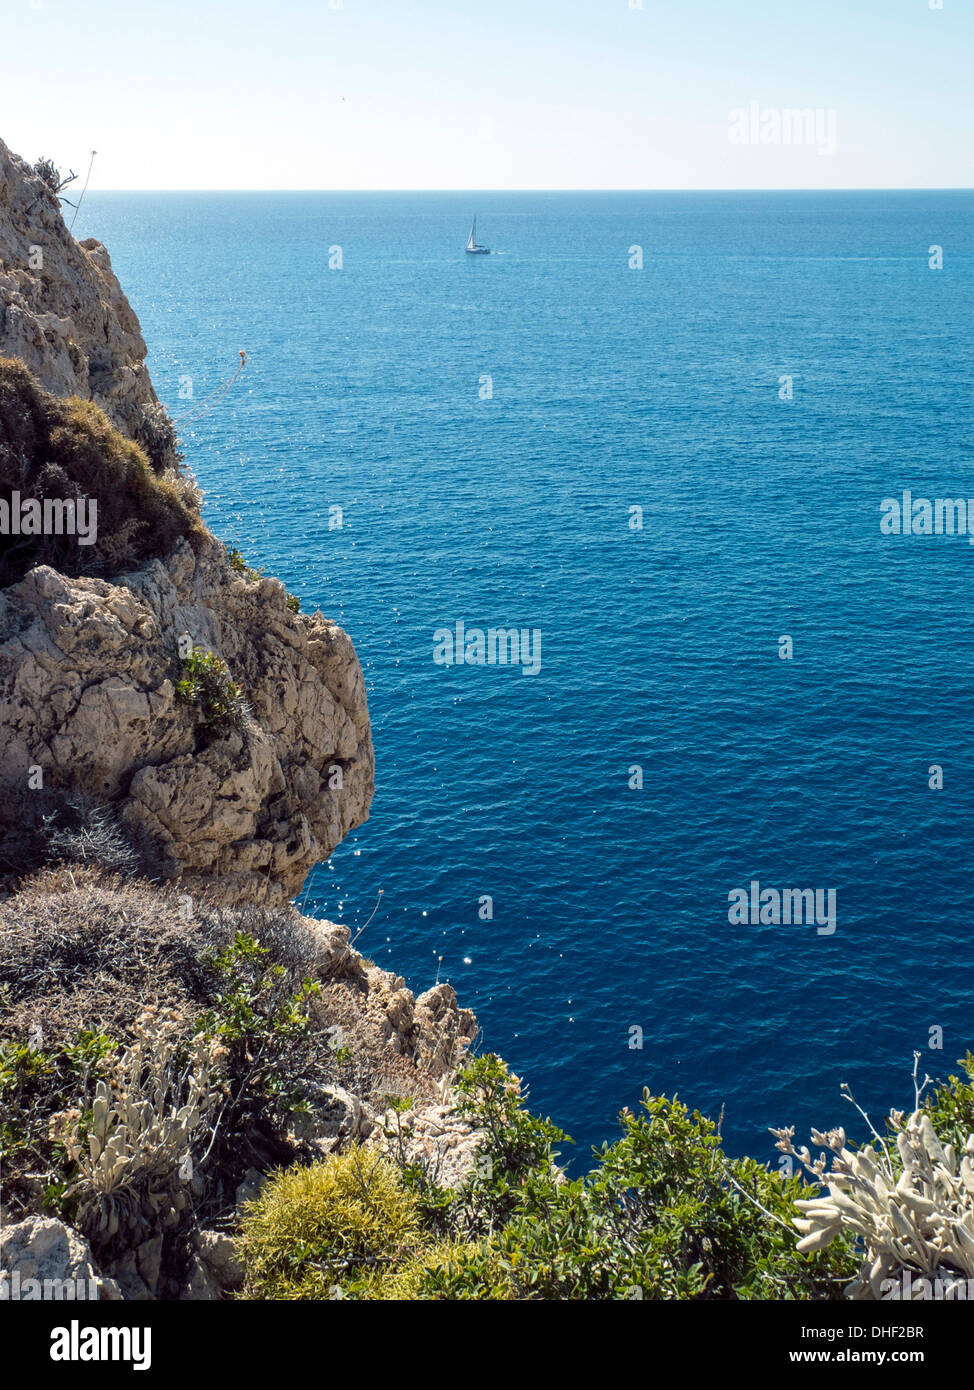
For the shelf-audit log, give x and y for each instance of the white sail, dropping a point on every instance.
(472, 245)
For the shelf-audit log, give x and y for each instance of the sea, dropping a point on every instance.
(661, 434)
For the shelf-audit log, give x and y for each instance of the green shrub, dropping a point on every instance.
(416, 1277)
(951, 1106)
(207, 683)
(663, 1215)
(262, 1021)
(344, 1224)
(36, 1082)
(239, 565)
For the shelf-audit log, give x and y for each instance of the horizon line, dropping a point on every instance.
(482, 192)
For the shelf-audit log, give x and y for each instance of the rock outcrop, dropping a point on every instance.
(64, 314)
(90, 666)
(88, 672)
(41, 1258)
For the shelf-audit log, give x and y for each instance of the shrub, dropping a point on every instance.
(131, 1154)
(274, 1059)
(417, 1277)
(37, 1080)
(664, 1214)
(81, 951)
(239, 565)
(156, 434)
(65, 450)
(206, 682)
(48, 172)
(343, 1224)
(53, 826)
(81, 831)
(951, 1106)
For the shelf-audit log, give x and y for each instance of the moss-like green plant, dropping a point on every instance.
(415, 1278)
(334, 1229)
(207, 683)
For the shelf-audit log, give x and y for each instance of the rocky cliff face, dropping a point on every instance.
(90, 665)
(104, 716)
(88, 672)
(63, 312)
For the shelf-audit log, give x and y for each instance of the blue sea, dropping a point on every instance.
(486, 425)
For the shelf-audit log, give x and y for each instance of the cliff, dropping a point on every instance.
(64, 314)
(94, 637)
(181, 746)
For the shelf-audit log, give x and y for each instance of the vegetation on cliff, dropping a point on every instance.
(664, 1214)
(59, 452)
(155, 1062)
(154, 1053)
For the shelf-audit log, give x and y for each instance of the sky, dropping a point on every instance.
(492, 94)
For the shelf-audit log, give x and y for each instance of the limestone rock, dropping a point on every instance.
(126, 1273)
(336, 1117)
(63, 312)
(47, 1251)
(87, 692)
(148, 1259)
(88, 667)
(435, 1137)
(253, 1184)
(220, 1255)
(200, 1287)
(442, 1029)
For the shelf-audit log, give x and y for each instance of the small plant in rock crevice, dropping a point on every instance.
(207, 683)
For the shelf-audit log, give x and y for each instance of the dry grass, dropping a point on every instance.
(83, 949)
(80, 949)
(67, 449)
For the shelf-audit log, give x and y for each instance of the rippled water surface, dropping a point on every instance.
(615, 388)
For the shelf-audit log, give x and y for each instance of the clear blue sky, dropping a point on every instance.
(487, 93)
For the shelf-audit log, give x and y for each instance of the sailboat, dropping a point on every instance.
(472, 248)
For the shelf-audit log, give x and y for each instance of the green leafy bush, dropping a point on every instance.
(38, 1081)
(663, 1215)
(239, 565)
(261, 1020)
(951, 1106)
(207, 683)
